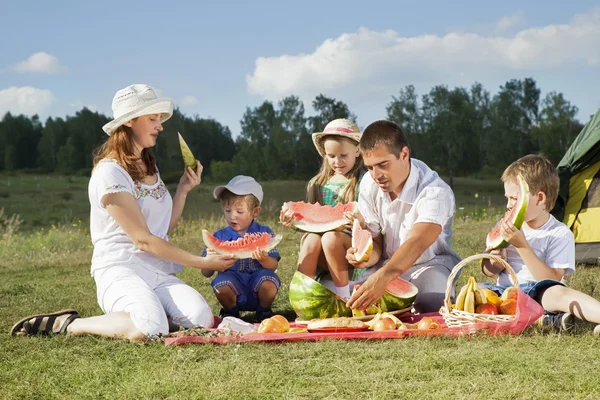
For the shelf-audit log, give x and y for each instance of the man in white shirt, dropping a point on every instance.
(408, 209)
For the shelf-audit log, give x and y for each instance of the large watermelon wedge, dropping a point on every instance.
(311, 300)
(319, 218)
(362, 241)
(242, 247)
(516, 215)
(188, 158)
(399, 294)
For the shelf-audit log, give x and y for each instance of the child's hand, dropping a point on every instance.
(352, 216)
(286, 217)
(210, 252)
(500, 253)
(259, 255)
(352, 259)
(513, 235)
(217, 262)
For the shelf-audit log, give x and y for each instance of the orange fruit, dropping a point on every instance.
(428, 323)
(487, 308)
(509, 307)
(282, 322)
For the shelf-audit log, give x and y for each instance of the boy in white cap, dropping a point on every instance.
(251, 284)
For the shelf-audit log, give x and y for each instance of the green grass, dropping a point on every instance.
(44, 270)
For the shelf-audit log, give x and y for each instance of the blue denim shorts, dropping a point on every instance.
(532, 289)
(245, 285)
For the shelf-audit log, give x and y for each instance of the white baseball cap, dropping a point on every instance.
(134, 101)
(240, 185)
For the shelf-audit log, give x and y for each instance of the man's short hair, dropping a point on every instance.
(540, 175)
(383, 133)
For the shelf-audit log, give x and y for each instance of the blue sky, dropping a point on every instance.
(215, 59)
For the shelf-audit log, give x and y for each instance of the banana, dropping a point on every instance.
(480, 296)
(470, 298)
(460, 299)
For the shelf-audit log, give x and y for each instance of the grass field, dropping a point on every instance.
(45, 267)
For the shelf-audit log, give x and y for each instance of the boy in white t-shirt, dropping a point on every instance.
(542, 252)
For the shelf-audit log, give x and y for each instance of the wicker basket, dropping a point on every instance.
(459, 318)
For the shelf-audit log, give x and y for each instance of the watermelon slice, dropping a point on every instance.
(362, 241)
(319, 218)
(399, 294)
(188, 158)
(312, 300)
(242, 247)
(516, 215)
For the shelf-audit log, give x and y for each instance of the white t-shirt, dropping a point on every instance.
(424, 198)
(112, 246)
(552, 242)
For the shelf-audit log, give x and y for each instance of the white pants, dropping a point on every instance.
(150, 298)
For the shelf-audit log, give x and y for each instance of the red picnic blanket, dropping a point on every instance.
(528, 311)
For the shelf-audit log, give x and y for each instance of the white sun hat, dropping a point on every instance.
(339, 127)
(240, 185)
(135, 101)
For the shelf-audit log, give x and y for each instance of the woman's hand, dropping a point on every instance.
(218, 262)
(190, 179)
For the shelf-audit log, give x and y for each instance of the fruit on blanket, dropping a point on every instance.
(188, 158)
(508, 307)
(362, 241)
(312, 300)
(270, 325)
(319, 218)
(516, 215)
(492, 297)
(399, 294)
(384, 324)
(242, 247)
(282, 322)
(428, 323)
(509, 293)
(487, 308)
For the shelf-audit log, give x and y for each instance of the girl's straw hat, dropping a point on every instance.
(339, 127)
(135, 101)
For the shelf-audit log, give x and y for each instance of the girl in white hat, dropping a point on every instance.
(132, 213)
(337, 182)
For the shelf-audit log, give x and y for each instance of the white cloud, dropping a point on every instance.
(510, 21)
(189, 101)
(370, 63)
(39, 63)
(25, 100)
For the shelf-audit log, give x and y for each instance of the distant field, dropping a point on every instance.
(45, 200)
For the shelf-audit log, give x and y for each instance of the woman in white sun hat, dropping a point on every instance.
(132, 213)
(337, 182)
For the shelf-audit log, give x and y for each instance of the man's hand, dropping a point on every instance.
(368, 293)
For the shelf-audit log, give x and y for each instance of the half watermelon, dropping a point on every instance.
(399, 294)
(362, 241)
(516, 215)
(312, 300)
(319, 218)
(242, 247)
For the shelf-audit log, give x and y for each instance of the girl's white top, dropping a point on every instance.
(112, 246)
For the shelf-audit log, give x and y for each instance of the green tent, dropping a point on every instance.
(578, 203)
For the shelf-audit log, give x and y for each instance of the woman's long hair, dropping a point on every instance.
(313, 191)
(121, 147)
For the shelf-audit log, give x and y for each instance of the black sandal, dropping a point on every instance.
(47, 320)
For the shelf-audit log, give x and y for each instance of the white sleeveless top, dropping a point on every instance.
(112, 246)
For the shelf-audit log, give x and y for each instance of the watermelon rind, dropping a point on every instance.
(494, 240)
(323, 227)
(188, 158)
(311, 300)
(398, 301)
(238, 248)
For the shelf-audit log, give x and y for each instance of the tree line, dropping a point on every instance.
(457, 131)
